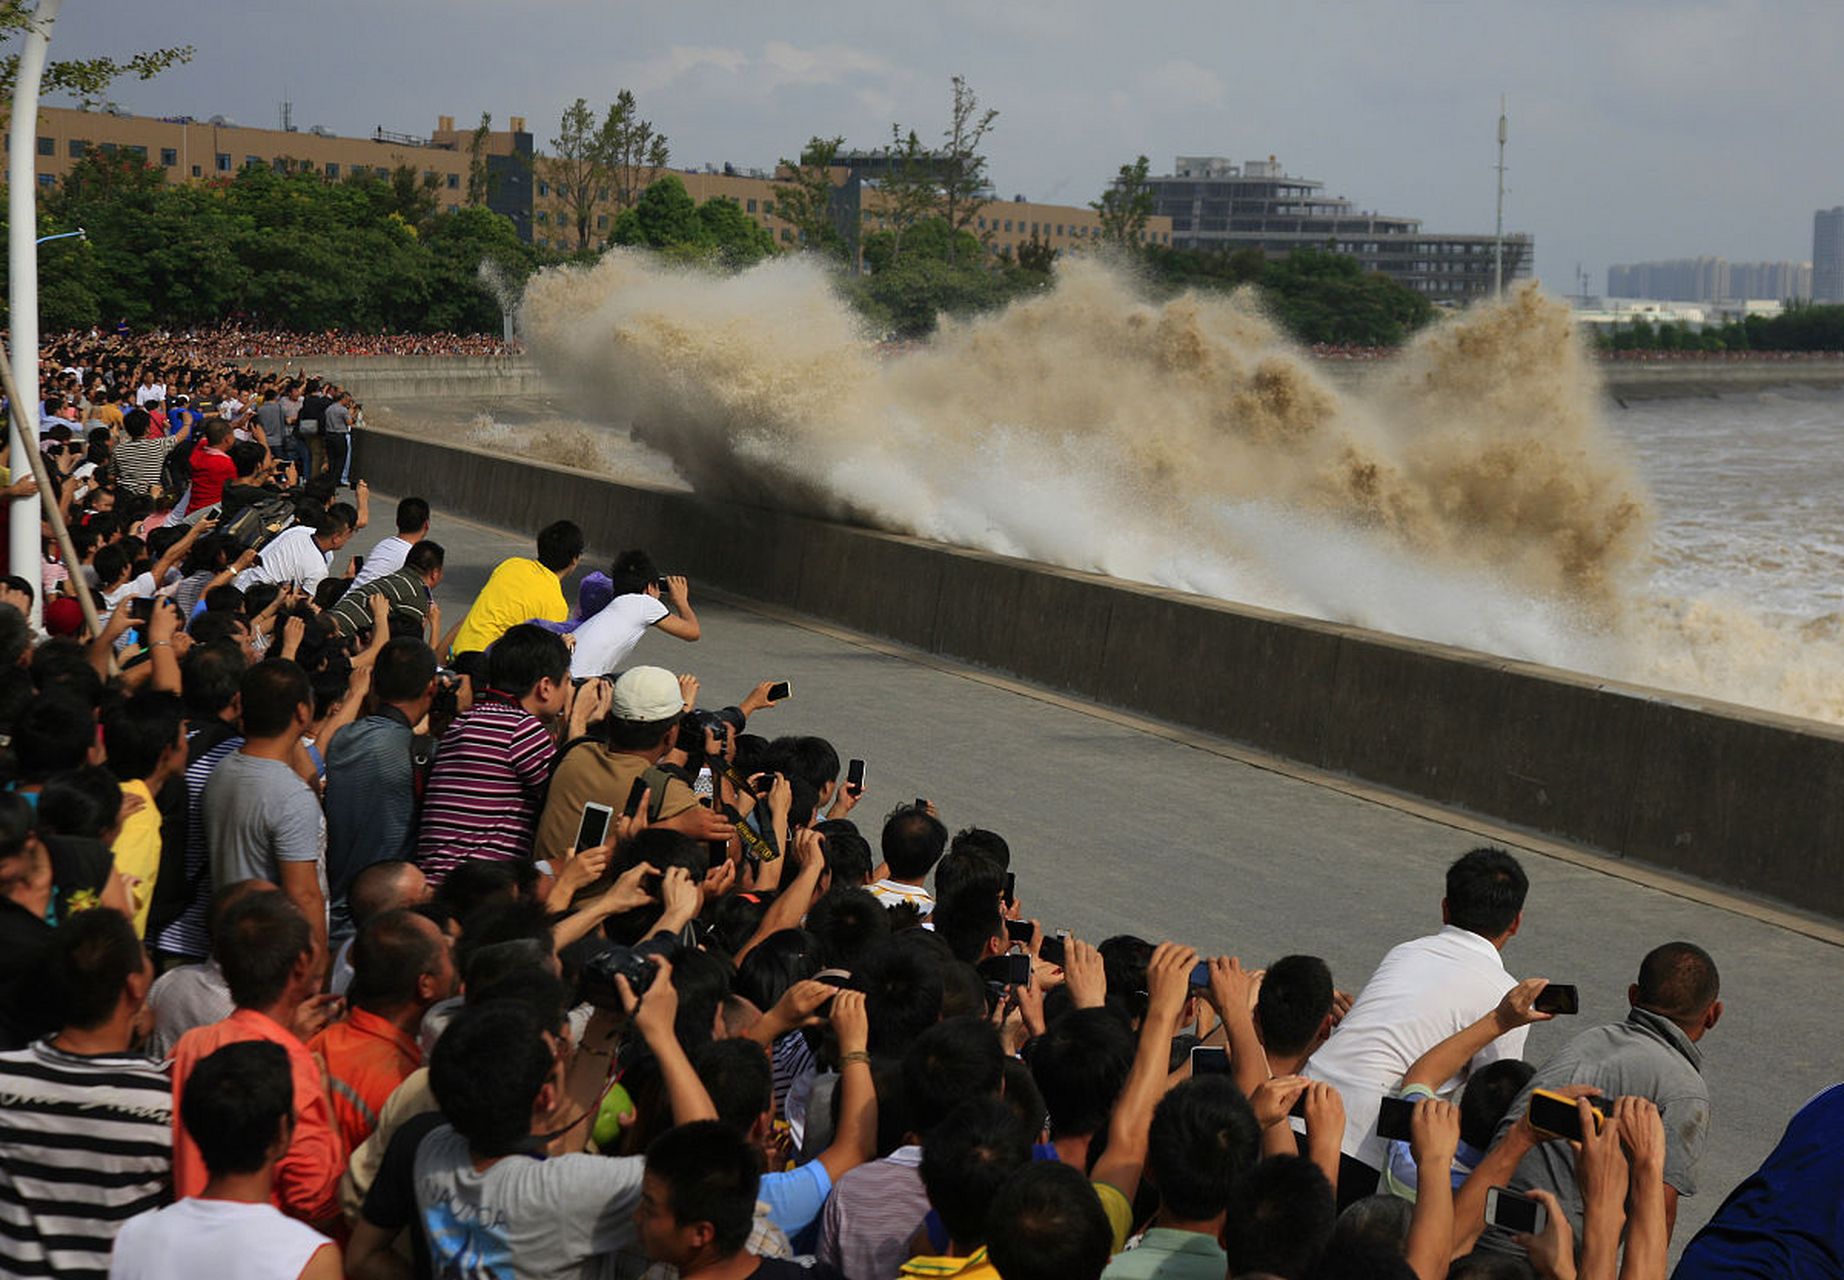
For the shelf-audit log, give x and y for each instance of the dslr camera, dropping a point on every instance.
(615, 960)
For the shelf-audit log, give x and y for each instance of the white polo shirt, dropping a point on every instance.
(1423, 992)
(605, 639)
(387, 557)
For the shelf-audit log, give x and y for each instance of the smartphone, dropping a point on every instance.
(142, 609)
(1010, 892)
(1020, 931)
(1209, 1060)
(1200, 974)
(1558, 997)
(1514, 1212)
(634, 793)
(593, 829)
(922, 803)
(1393, 1118)
(1556, 1114)
(1007, 971)
(358, 564)
(779, 691)
(854, 776)
(1052, 951)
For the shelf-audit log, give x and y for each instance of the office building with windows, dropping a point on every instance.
(1828, 255)
(1215, 204)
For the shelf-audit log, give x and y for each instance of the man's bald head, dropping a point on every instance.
(385, 886)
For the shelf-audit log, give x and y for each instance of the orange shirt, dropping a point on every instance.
(307, 1177)
(367, 1057)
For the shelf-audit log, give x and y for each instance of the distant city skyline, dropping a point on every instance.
(1710, 279)
(1649, 130)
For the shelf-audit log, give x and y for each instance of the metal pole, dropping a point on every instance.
(1498, 227)
(22, 291)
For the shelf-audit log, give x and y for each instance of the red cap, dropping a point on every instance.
(63, 616)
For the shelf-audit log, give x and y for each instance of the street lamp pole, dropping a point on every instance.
(22, 287)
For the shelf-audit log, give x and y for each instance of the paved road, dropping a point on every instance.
(1115, 829)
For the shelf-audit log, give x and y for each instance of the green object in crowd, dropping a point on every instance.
(615, 1104)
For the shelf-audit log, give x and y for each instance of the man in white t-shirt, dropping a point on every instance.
(299, 556)
(238, 1106)
(604, 640)
(388, 556)
(1423, 992)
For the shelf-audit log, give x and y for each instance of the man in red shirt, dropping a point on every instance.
(212, 467)
(401, 964)
(271, 964)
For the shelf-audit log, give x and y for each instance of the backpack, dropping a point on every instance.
(255, 524)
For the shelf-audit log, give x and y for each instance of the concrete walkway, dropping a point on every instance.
(1118, 827)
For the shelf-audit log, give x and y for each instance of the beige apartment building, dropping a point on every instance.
(188, 149)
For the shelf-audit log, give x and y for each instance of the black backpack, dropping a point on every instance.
(254, 525)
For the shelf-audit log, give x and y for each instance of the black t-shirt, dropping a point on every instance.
(311, 409)
(390, 1202)
(79, 873)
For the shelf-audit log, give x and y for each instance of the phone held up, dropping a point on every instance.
(592, 831)
(1514, 1212)
(1557, 1115)
(1558, 998)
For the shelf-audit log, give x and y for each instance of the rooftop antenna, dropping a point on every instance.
(1498, 229)
(288, 114)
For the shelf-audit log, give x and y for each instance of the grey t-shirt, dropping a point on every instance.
(554, 1217)
(270, 417)
(1644, 1057)
(259, 814)
(337, 419)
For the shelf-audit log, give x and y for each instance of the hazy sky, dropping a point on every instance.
(1639, 128)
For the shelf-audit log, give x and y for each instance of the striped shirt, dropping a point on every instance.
(139, 462)
(85, 1144)
(485, 788)
(405, 589)
(186, 935)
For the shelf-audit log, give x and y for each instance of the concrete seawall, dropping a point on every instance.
(397, 378)
(1746, 799)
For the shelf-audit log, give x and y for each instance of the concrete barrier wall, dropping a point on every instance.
(388, 378)
(1746, 799)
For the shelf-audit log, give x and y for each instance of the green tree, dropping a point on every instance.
(478, 183)
(963, 166)
(460, 242)
(907, 192)
(737, 239)
(804, 199)
(1037, 254)
(664, 217)
(929, 238)
(577, 167)
(1125, 206)
(86, 79)
(631, 149)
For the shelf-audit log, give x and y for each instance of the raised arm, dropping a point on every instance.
(1168, 977)
(1448, 1058)
(681, 622)
(1648, 1228)
(653, 1015)
(1434, 1136)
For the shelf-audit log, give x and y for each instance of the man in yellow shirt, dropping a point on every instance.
(523, 590)
(146, 742)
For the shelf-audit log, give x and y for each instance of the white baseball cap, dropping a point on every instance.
(646, 694)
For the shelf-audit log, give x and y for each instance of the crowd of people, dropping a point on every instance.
(338, 941)
(233, 341)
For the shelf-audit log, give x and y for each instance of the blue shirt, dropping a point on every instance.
(795, 1198)
(1787, 1217)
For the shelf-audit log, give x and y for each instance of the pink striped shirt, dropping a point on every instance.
(485, 788)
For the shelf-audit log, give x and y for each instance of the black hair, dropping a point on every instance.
(1485, 892)
(1204, 1138)
(1048, 1224)
(139, 730)
(62, 666)
(957, 871)
(246, 456)
(234, 1103)
(733, 921)
(425, 557)
(968, 1157)
(560, 545)
(1280, 1218)
(737, 1075)
(988, 844)
(91, 958)
(260, 938)
(1375, 1224)
(807, 758)
(111, 565)
(500, 920)
(952, 1061)
(211, 675)
(1124, 959)
(848, 853)
(912, 842)
(1488, 1095)
(404, 669)
(523, 656)
(272, 691)
(902, 992)
(1295, 997)
(711, 1174)
(632, 573)
(780, 960)
(967, 919)
(390, 954)
(702, 982)
(1678, 981)
(1080, 1064)
(477, 882)
(85, 801)
(16, 636)
(219, 627)
(53, 735)
(136, 423)
(849, 923)
(224, 897)
(412, 514)
(486, 1072)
